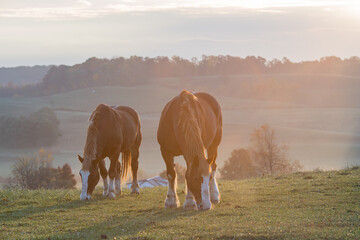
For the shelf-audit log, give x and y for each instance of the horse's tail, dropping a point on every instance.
(188, 123)
(126, 163)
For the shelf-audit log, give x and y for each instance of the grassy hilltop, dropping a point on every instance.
(311, 205)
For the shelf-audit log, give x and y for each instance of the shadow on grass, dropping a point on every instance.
(14, 215)
(276, 237)
(127, 227)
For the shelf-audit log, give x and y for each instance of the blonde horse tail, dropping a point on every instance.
(126, 163)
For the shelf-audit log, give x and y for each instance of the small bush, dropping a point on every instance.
(34, 172)
(238, 166)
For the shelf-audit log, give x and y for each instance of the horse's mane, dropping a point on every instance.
(92, 135)
(189, 125)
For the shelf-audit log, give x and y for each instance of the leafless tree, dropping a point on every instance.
(270, 156)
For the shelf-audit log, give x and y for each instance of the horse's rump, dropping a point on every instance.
(189, 124)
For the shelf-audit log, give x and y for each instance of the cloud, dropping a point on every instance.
(94, 8)
(107, 28)
(85, 2)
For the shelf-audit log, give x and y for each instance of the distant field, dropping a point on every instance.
(325, 136)
(307, 205)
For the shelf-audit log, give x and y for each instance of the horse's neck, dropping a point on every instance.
(92, 147)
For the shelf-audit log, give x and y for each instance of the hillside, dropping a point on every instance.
(309, 205)
(22, 75)
(319, 133)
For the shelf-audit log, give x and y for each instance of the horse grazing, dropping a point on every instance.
(111, 131)
(189, 124)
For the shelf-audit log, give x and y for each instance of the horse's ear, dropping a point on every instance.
(80, 158)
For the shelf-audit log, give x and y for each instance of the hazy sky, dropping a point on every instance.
(69, 32)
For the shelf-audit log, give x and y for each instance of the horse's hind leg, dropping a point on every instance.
(118, 179)
(113, 173)
(214, 189)
(171, 200)
(104, 173)
(134, 170)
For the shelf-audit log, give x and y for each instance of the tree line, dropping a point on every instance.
(137, 70)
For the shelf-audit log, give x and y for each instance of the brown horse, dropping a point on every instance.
(189, 124)
(111, 131)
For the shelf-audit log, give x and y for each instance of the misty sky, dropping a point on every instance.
(69, 32)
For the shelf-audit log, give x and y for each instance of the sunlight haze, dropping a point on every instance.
(69, 32)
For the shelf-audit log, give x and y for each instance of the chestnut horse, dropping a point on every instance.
(111, 131)
(189, 125)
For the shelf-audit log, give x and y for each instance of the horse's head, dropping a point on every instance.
(197, 179)
(89, 178)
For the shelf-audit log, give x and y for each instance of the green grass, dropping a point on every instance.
(314, 205)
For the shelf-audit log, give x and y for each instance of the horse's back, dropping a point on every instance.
(125, 110)
(165, 134)
(169, 135)
(213, 124)
(130, 125)
(215, 106)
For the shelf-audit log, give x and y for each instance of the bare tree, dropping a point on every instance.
(269, 156)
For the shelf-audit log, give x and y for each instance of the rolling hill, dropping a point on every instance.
(320, 134)
(22, 75)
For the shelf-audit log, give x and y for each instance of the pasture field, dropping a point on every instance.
(320, 124)
(318, 136)
(304, 205)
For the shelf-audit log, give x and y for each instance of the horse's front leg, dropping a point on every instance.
(171, 200)
(214, 189)
(104, 173)
(114, 162)
(189, 203)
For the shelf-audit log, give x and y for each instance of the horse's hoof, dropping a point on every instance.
(190, 204)
(203, 207)
(117, 192)
(171, 206)
(135, 191)
(111, 195)
(215, 201)
(105, 193)
(172, 203)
